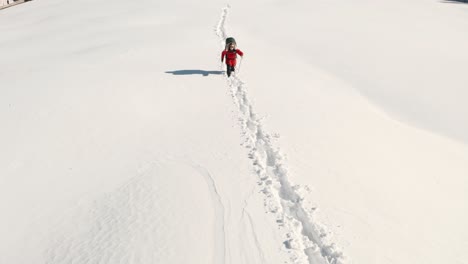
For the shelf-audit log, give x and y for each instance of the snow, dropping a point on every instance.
(342, 137)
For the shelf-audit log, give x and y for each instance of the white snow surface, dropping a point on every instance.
(341, 138)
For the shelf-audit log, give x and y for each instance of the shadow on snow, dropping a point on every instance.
(195, 72)
(455, 1)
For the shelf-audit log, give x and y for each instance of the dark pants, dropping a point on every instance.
(229, 70)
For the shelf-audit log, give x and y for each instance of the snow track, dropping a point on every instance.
(305, 240)
(220, 241)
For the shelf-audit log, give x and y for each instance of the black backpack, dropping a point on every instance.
(229, 41)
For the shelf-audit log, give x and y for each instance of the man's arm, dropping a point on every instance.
(222, 55)
(240, 52)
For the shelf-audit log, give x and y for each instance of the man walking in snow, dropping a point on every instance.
(230, 53)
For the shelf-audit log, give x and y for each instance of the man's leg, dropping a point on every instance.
(232, 69)
(228, 70)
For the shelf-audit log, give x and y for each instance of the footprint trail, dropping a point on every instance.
(304, 239)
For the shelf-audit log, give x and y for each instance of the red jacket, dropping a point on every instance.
(231, 56)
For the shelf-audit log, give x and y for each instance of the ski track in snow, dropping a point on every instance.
(220, 241)
(306, 240)
(254, 235)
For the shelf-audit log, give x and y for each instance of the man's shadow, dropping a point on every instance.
(195, 72)
(455, 1)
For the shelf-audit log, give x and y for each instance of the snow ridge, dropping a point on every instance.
(305, 240)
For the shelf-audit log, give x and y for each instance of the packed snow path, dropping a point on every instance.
(306, 240)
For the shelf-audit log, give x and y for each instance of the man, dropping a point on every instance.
(231, 57)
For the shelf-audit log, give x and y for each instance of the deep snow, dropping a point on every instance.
(342, 138)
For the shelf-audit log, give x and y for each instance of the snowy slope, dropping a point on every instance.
(341, 140)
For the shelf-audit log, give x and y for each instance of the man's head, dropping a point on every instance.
(232, 46)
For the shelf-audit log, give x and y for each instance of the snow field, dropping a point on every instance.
(307, 241)
(122, 142)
